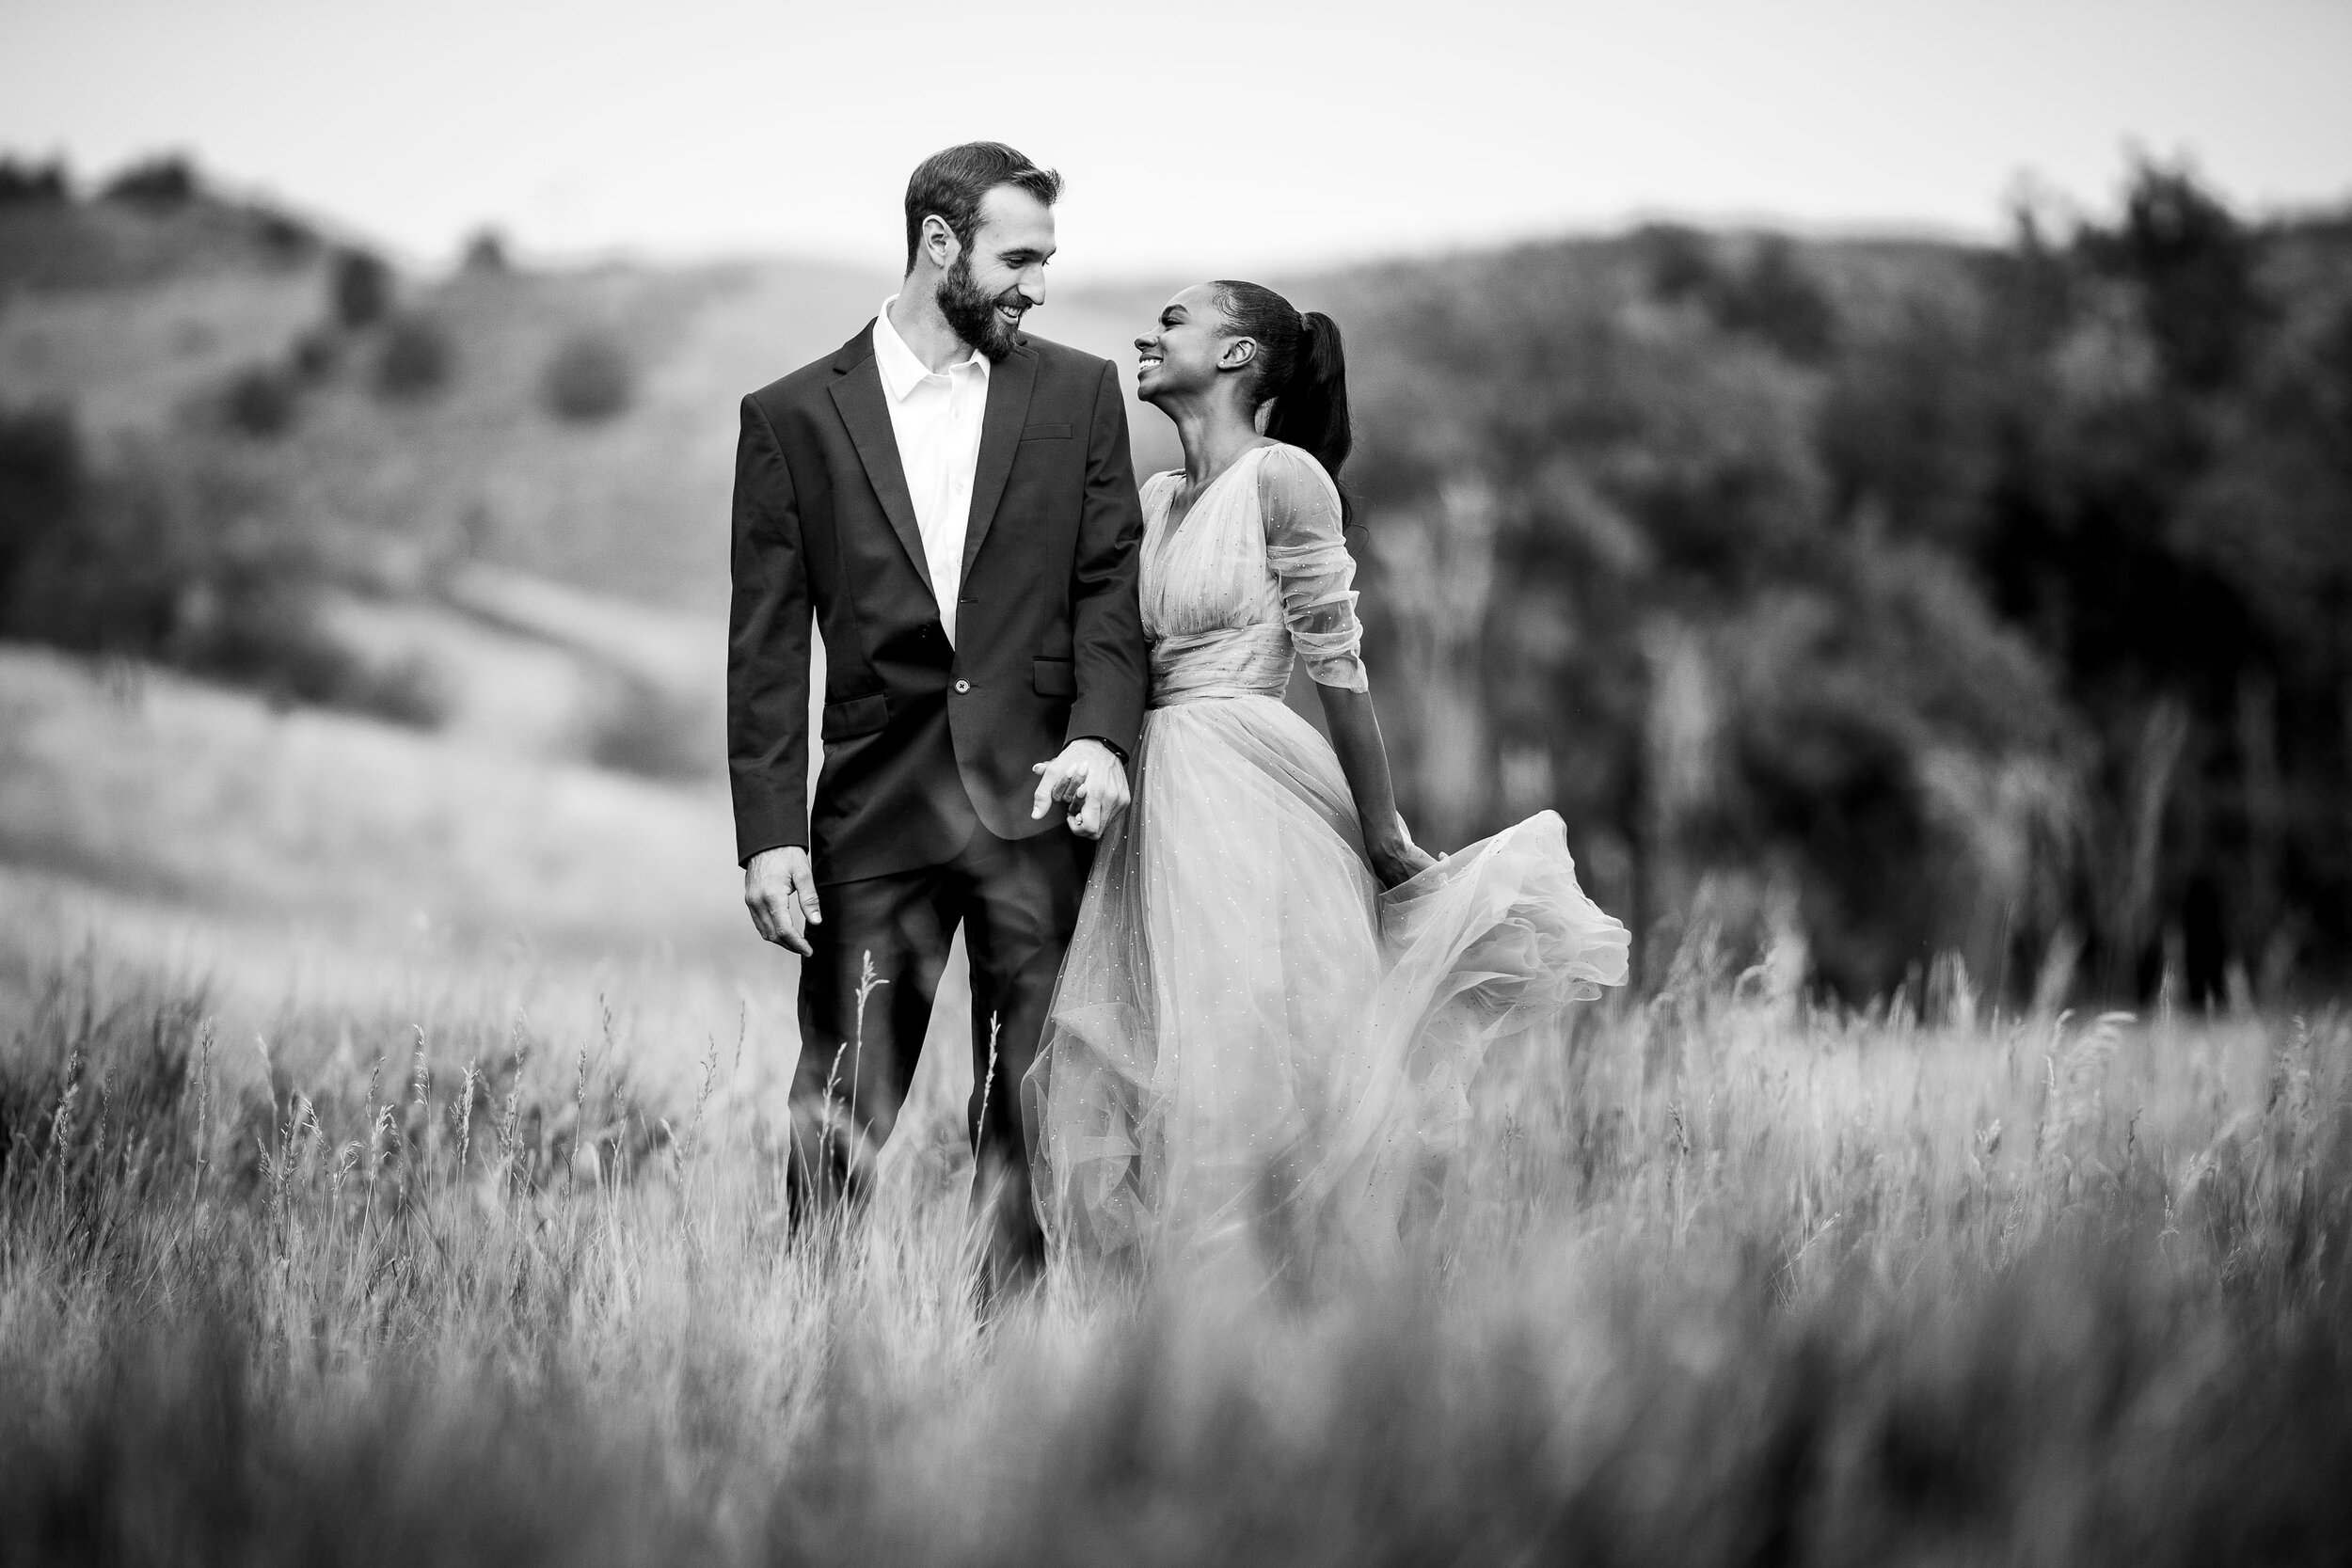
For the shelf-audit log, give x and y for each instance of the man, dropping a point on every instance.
(955, 504)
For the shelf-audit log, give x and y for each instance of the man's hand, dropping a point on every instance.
(1089, 777)
(780, 889)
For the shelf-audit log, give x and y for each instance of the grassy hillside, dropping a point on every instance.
(152, 223)
(476, 465)
(149, 785)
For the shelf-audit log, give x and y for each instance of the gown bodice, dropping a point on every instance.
(1255, 574)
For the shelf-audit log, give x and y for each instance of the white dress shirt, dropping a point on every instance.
(935, 416)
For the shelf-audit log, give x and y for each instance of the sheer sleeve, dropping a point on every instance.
(1303, 545)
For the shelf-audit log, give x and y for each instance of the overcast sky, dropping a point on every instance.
(1215, 134)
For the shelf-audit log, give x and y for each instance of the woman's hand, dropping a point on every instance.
(1356, 738)
(1395, 858)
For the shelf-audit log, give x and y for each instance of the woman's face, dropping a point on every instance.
(1189, 345)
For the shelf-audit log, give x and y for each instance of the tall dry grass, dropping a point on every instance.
(1724, 1279)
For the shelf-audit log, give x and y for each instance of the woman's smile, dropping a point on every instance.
(1149, 358)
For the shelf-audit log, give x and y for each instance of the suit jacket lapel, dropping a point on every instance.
(1009, 383)
(865, 409)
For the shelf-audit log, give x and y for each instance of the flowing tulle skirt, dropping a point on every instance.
(1250, 1040)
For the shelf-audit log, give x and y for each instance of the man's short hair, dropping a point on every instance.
(954, 180)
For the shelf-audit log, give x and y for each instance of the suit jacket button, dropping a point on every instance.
(962, 687)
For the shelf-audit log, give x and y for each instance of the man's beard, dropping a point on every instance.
(972, 313)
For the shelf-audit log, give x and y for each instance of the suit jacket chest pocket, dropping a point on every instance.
(1045, 432)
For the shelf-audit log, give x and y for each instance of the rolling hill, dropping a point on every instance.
(1772, 563)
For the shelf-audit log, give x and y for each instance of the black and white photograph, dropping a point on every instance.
(1277, 784)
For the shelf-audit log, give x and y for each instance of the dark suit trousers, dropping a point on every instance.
(866, 1003)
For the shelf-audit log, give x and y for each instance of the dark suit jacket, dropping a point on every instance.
(921, 738)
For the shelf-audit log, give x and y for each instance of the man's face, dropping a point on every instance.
(1001, 275)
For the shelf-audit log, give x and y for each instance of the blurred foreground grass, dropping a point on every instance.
(1727, 1280)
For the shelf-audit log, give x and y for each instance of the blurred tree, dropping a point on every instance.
(1680, 261)
(1771, 295)
(360, 288)
(1775, 298)
(1981, 601)
(2193, 266)
(2170, 520)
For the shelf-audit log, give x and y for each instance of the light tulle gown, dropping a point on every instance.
(1252, 1044)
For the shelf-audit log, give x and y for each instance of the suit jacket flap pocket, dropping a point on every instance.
(1055, 677)
(1045, 432)
(858, 716)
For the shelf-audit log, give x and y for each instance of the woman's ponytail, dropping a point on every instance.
(1301, 368)
(1310, 411)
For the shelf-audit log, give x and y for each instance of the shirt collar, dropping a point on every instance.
(901, 372)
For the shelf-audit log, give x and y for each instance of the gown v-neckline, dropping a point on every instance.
(1175, 524)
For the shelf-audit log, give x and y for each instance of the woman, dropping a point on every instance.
(1275, 1000)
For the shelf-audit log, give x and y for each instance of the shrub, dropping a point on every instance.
(315, 354)
(360, 288)
(261, 400)
(589, 378)
(406, 692)
(41, 485)
(27, 184)
(485, 252)
(415, 361)
(166, 181)
(641, 729)
(284, 239)
(262, 634)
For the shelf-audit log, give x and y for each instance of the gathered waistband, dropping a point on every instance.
(1231, 661)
